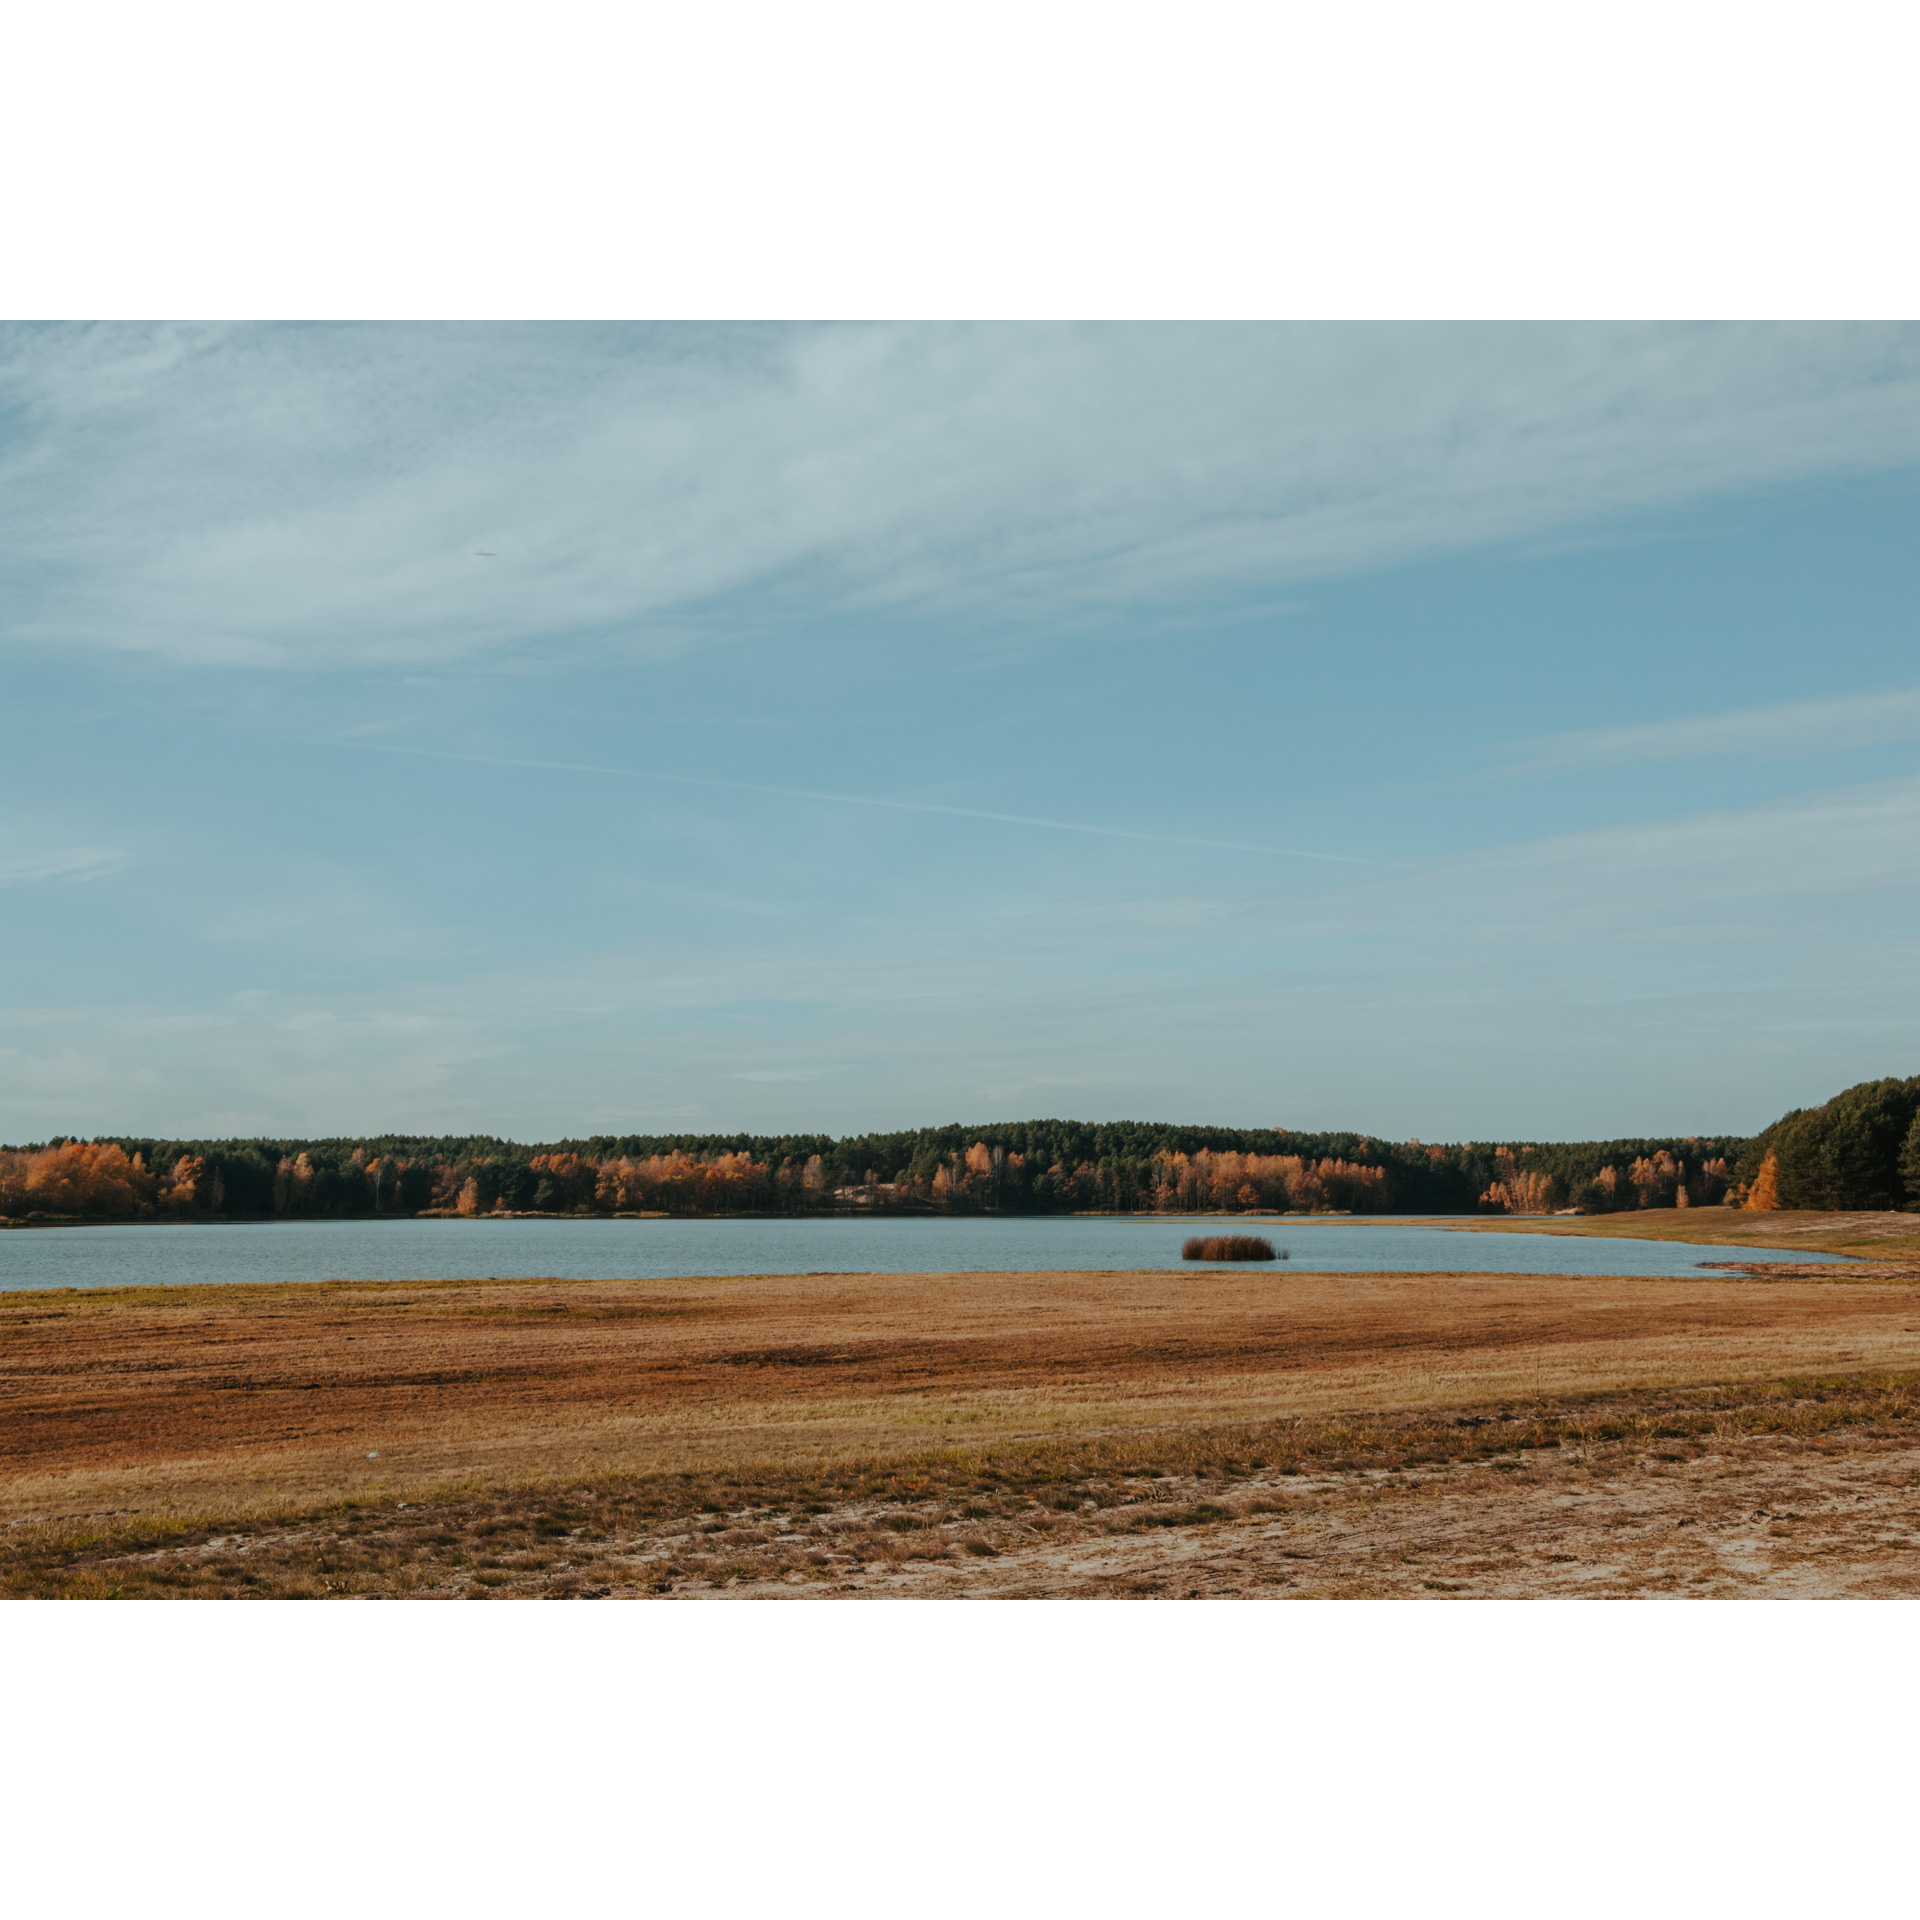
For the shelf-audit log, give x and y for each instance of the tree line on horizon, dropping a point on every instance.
(1861, 1149)
(1858, 1152)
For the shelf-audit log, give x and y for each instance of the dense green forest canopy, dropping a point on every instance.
(1861, 1150)
(1015, 1166)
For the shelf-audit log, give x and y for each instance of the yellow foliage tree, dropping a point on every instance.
(1765, 1194)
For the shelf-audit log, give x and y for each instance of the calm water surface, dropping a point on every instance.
(660, 1249)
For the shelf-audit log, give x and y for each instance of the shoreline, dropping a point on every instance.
(1467, 1221)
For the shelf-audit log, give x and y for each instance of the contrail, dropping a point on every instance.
(862, 800)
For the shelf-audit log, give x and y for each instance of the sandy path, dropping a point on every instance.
(1773, 1521)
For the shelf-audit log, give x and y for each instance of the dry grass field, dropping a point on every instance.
(1227, 1430)
(1863, 1236)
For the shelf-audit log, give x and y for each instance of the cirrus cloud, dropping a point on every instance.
(342, 496)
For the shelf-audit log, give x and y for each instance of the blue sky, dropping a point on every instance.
(1447, 731)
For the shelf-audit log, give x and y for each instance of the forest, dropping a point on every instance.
(1858, 1152)
(1028, 1166)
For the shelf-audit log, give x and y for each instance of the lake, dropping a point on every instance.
(122, 1256)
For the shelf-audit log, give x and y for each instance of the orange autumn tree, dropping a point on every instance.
(681, 1183)
(293, 1184)
(1228, 1182)
(1656, 1179)
(1765, 1194)
(181, 1187)
(567, 1183)
(1522, 1190)
(75, 1178)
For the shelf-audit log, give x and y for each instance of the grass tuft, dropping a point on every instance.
(1229, 1246)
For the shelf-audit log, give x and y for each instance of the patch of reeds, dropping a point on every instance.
(1229, 1246)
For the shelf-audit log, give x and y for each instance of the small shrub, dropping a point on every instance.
(1197, 1516)
(1229, 1246)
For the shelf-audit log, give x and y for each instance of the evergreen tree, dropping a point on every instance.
(1910, 1168)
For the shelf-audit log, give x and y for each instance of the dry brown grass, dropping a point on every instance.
(1864, 1236)
(521, 1436)
(1814, 1480)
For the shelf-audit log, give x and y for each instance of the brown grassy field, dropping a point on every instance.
(1225, 1430)
(1864, 1236)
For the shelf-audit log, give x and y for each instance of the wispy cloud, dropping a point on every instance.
(1792, 728)
(321, 497)
(865, 800)
(1685, 973)
(27, 859)
(1786, 859)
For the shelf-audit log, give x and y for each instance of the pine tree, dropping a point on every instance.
(1910, 1167)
